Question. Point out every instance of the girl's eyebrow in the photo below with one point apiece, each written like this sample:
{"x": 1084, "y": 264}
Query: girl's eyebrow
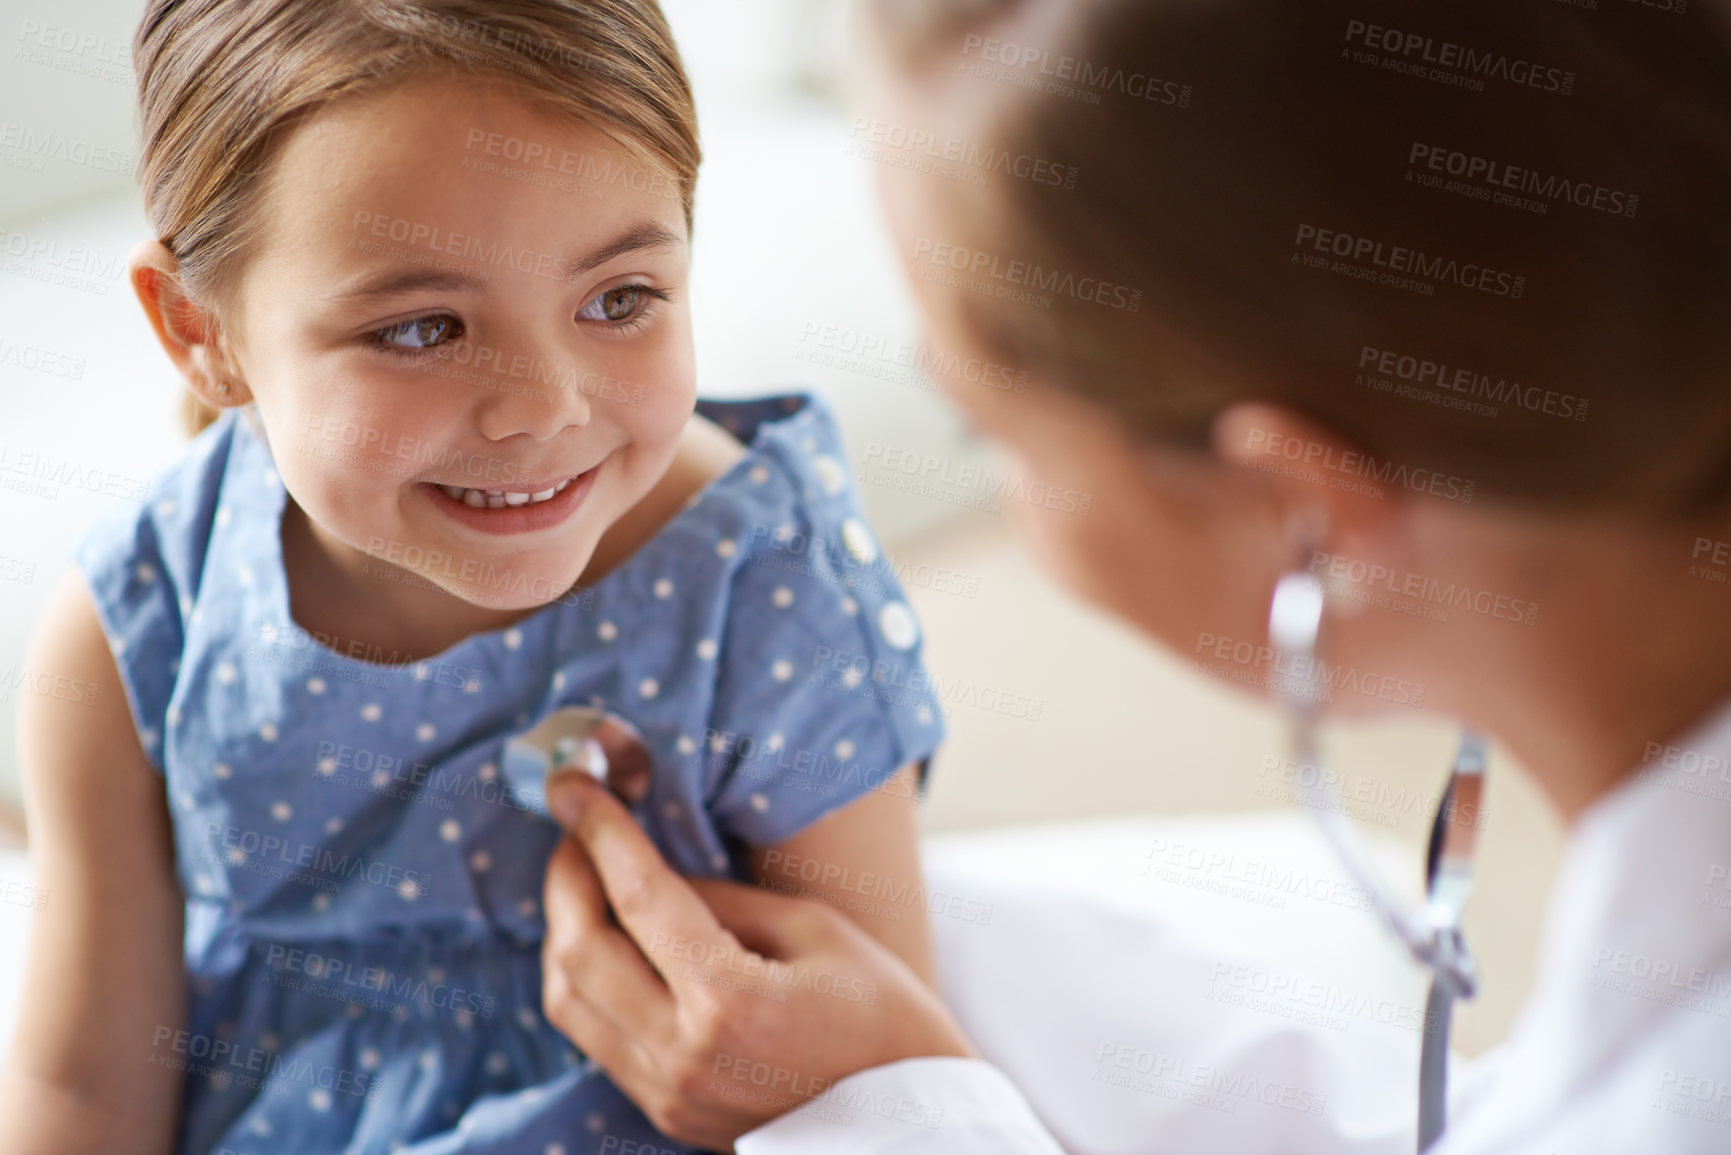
{"x": 642, "y": 236}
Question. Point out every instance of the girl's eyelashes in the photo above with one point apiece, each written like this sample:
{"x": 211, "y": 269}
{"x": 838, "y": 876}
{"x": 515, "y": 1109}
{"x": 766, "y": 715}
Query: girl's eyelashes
{"x": 623, "y": 307}
{"x": 417, "y": 335}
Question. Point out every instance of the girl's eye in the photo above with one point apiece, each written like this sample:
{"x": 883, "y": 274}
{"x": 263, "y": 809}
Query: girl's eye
{"x": 420, "y": 333}
{"x": 623, "y": 307}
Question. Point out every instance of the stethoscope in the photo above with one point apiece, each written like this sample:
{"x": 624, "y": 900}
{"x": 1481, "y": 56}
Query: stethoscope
{"x": 1431, "y": 932}
{"x": 589, "y": 739}
{"x": 601, "y": 743}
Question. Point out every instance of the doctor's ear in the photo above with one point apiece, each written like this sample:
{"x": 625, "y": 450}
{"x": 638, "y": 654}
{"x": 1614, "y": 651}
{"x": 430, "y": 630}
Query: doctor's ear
{"x": 188, "y": 331}
{"x": 1319, "y": 479}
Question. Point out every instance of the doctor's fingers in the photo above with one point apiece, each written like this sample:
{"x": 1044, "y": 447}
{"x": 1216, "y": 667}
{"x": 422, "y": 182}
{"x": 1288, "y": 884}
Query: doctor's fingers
{"x": 654, "y": 905}
{"x": 592, "y": 958}
{"x": 673, "y": 1097}
{"x": 782, "y": 926}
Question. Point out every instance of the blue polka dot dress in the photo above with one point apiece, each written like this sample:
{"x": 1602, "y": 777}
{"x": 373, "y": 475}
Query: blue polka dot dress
{"x": 363, "y": 865}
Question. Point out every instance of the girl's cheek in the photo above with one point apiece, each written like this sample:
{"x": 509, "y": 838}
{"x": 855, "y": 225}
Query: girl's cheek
{"x": 656, "y": 412}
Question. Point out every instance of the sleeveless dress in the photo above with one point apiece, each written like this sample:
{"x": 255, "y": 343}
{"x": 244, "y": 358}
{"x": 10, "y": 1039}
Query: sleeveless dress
{"x": 363, "y": 867}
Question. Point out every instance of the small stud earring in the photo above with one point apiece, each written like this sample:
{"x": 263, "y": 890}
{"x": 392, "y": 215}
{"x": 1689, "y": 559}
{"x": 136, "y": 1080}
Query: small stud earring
{"x": 222, "y": 388}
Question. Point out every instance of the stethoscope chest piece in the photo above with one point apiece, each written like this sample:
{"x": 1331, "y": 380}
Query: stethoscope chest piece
{"x": 581, "y": 739}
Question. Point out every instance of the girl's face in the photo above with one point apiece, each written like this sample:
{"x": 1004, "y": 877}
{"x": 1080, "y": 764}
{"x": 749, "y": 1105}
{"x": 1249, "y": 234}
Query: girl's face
{"x": 466, "y": 331}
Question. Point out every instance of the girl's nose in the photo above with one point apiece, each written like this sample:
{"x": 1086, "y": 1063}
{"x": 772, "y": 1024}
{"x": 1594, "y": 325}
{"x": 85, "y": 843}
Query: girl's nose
{"x": 535, "y": 390}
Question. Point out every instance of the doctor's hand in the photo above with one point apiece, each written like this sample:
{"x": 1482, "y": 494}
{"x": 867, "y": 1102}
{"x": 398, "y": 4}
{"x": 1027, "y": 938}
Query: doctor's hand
{"x": 714, "y": 1006}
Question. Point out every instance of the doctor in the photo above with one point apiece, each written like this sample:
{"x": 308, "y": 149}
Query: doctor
{"x": 1441, "y": 291}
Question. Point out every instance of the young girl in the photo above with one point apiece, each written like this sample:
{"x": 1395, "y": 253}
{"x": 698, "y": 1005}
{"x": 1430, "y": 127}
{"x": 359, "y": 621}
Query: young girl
{"x": 427, "y": 263}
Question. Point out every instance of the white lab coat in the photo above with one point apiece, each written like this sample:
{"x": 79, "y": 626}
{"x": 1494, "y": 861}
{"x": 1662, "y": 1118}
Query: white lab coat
{"x": 1106, "y": 1034}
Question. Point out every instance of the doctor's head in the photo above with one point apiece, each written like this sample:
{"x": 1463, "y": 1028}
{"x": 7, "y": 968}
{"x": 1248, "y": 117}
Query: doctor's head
{"x": 442, "y": 246}
{"x": 1432, "y": 302}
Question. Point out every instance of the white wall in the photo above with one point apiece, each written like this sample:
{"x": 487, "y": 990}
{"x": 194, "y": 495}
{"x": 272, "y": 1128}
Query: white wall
{"x": 67, "y": 133}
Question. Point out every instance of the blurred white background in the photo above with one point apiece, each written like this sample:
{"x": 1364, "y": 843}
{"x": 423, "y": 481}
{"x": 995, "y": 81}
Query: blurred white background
{"x": 788, "y": 241}
{"x": 776, "y": 188}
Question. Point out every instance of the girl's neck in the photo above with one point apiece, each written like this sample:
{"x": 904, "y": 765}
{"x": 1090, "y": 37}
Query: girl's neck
{"x": 368, "y": 609}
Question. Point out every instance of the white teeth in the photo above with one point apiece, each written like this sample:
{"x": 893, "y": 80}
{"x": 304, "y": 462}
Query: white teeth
{"x": 500, "y": 498}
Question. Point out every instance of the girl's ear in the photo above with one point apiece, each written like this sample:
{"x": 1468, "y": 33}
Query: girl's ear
{"x": 188, "y": 332}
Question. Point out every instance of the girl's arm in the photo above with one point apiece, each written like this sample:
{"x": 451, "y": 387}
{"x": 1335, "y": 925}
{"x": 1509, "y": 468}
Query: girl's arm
{"x": 864, "y": 861}
{"x": 91, "y": 1067}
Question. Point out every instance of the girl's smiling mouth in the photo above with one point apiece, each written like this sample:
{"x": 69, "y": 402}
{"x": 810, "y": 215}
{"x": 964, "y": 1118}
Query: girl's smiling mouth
{"x": 509, "y": 511}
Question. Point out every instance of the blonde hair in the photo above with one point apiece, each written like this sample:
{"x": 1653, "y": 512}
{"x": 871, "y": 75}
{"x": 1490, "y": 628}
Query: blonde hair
{"x": 221, "y": 83}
